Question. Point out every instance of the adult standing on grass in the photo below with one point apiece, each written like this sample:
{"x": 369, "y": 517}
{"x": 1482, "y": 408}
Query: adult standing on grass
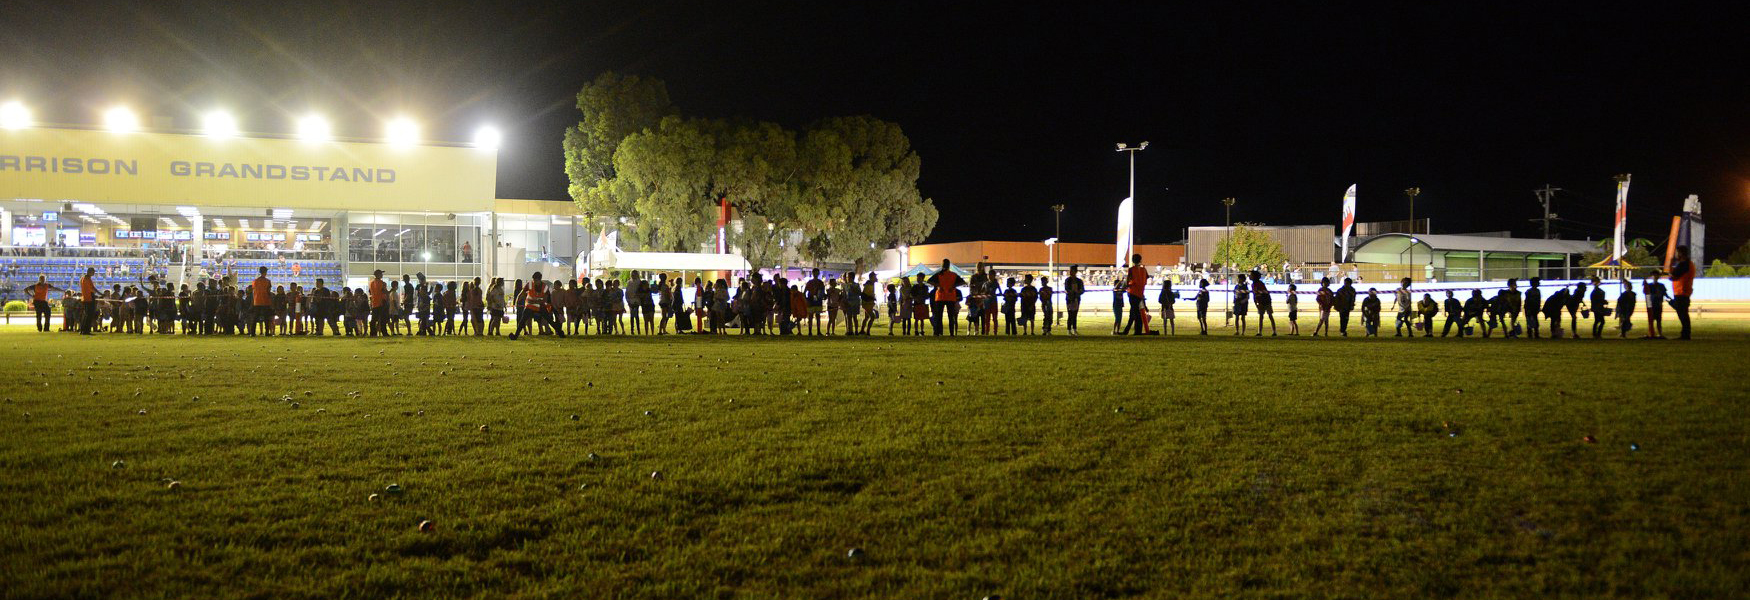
{"x": 1600, "y": 307}
{"x": 408, "y": 301}
{"x": 1135, "y": 281}
{"x": 379, "y": 304}
{"x": 476, "y": 305}
{"x": 1073, "y": 288}
{"x": 261, "y": 291}
{"x": 495, "y": 305}
{"x": 1574, "y": 301}
{"x": 325, "y": 305}
{"x": 1405, "y": 305}
{"x": 1655, "y": 293}
{"x": 1682, "y": 285}
{"x": 947, "y": 296}
{"x": 39, "y": 300}
{"x": 1325, "y": 299}
{"x": 1533, "y": 307}
{"x": 1345, "y": 303}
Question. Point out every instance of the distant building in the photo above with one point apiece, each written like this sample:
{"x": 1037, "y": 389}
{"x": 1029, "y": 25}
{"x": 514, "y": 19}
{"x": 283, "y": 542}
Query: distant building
{"x": 1472, "y": 257}
{"x": 1026, "y": 255}
{"x": 1304, "y": 243}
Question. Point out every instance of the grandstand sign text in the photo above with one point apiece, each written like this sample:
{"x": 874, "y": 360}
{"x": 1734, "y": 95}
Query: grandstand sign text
{"x": 184, "y": 168}
{"x": 193, "y": 170}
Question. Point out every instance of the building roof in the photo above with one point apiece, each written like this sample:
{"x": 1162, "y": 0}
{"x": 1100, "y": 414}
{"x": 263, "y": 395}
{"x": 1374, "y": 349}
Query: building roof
{"x": 1479, "y": 243}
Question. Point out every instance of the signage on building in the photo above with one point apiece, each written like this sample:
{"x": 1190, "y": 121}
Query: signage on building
{"x": 177, "y": 169}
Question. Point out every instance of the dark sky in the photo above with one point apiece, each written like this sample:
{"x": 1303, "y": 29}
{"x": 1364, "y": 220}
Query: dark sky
{"x": 1011, "y": 110}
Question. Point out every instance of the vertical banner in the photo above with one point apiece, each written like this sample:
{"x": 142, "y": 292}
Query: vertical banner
{"x": 1126, "y": 231}
{"x": 1348, "y": 220}
{"x": 1617, "y": 246}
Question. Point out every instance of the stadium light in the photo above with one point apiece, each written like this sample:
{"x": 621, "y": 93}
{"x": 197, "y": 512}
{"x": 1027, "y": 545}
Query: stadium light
{"x": 402, "y": 131}
{"x": 488, "y": 138}
{"x": 314, "y": 128}
{"x": 219, "y": 124}
{"x": 14, "y": 115}
{"x": 120, "y": 119}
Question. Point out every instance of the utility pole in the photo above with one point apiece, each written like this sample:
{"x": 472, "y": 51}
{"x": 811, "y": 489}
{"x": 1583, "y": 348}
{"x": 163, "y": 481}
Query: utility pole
{"x": 1412, "y": 193}
{"x": 1546, "y": 196}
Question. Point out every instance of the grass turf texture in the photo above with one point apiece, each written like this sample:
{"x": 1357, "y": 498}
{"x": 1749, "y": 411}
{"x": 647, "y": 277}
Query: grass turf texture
{"x": 1029, "y": 468}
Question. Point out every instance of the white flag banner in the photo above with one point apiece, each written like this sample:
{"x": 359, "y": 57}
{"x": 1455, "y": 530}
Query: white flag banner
{"x": 1126, "y": 231}
{"x": 1348, "y": 220}
{"x": 1621, "y": 219}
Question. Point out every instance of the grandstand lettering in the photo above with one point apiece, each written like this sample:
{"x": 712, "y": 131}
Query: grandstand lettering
{"x": 183, "y": 168}
{"x": 71, "y": 165}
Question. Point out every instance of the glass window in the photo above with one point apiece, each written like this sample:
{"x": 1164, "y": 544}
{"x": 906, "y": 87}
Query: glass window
{"x": 359, "y": 244}
{"x": 413, "y": 245}
{"x": 467, "y": 243}
{"x": 443, "y": 243}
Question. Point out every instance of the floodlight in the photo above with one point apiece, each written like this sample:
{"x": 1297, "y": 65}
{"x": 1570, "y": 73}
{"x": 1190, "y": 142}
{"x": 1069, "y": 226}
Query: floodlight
{"x": 14, "y": 115}
{"x": 402, "y": 132}
{"x": 314, "y": 128}
{"x": 1144, "y": 146}
{"x": 425, "y": 256}
{"x": 120, "y": 119}
{"x": 488, "y": 138}
{"x": 219, "y": 124}
{"x": 1121, "y": 145}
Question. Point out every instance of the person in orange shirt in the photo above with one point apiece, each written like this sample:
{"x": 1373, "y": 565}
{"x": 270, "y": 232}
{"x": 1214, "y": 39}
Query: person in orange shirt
{"x": 535, "y": 307}
{"x": 1682, "y": 285}
{"x": 87, "y": 301}
{"x": 39, "y": 300}
{"x": 947, "y": 297}
{"x": 1135, "y": 280}
{"x": 261, "y": 305}
{"x": 379, "y": 305}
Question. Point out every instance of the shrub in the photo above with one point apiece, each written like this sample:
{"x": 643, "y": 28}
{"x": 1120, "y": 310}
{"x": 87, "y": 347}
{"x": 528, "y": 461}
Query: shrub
{"x": 17, "y": 306}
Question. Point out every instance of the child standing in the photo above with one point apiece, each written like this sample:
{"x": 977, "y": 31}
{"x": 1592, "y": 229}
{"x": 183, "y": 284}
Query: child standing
{"x": 1009, "y": 297}
{"x": 1045, "y": 293}
{"x": 1029, "y": 304}
{"x": 1370, "y": 313}
{"x": 1293, "y": 302}
{"x": 1203, "y": 307}
{"x": 1168, "y": 298}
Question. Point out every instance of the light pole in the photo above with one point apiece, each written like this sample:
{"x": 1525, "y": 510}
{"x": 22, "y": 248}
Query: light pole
{"x": 1122, "y": 147}
{"x": 1056, "y": 232}
{"x": 1412, "y": 193}
{"x": 1226, "y": 240}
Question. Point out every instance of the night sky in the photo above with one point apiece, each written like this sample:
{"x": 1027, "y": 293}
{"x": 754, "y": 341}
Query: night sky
{"x": 1011, "y": 111}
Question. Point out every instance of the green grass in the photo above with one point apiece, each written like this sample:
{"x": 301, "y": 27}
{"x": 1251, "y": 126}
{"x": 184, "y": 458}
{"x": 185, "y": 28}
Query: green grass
{"x": 1027, "y": 468}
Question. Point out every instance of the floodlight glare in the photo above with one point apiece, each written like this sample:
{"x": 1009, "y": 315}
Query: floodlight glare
{"x": 13, "y": 115}
{"x": 313, "y": 128}
{"x": 121, "y": 119}
{"x": 219, "y": 124}
{"x": 488, "y": 138}
{"x": 402, "y": 132}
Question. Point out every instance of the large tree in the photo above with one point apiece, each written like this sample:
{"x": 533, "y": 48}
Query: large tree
{"x": 847, "y": 185}
{"x": 613, "y": 107}
{"x": 1247, "y": 248}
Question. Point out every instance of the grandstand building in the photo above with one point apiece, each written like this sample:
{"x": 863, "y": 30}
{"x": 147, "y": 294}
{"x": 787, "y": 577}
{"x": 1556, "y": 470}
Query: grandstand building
{"x": 184, "y": 204}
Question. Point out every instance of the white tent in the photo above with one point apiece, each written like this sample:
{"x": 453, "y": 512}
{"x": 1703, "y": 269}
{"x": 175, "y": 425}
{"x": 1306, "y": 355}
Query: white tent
{"x": 609, "y": 259}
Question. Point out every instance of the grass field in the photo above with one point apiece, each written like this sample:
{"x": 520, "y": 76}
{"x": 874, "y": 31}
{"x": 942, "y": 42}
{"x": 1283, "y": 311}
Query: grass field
{"x": 1026, "y": 468}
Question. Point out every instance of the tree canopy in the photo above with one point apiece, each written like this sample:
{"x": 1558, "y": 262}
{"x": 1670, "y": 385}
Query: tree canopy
{"x": 1247, "y": 247}
{"x": 843, "y": 188}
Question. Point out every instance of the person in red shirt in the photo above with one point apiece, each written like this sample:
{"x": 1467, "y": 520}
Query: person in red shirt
{"x": 1134, "y": 281}
{"x": 87, "y": 301}
{"x": 39, "y": 300}
{"x": 379, "y": 305}
{"x": 1682, "y": 285}
{"x": 947, "y": 298}
{"x": 261, "y": 294}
